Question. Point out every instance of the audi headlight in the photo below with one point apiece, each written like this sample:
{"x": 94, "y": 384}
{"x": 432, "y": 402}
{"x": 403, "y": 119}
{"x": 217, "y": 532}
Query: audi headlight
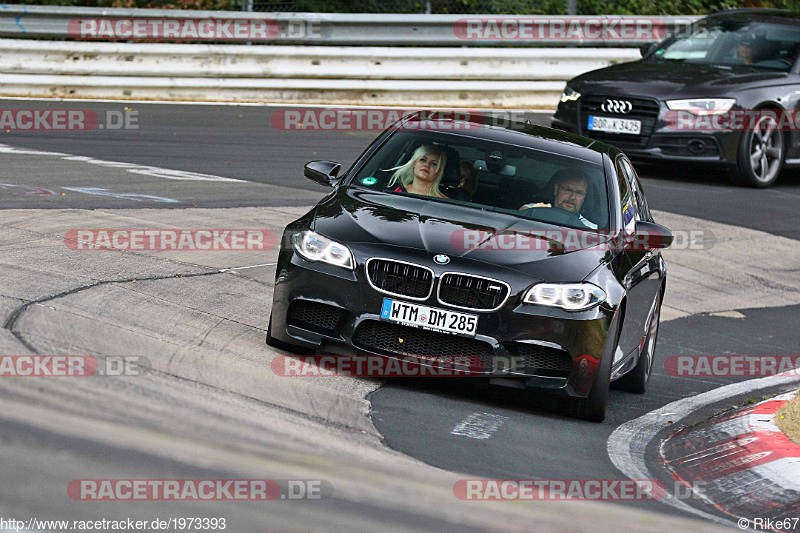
{"x": 315, "y": 247}
{"x": 703, "y": 106}
{"x": 569, "y": 94}
{"x": 568, "y": 296}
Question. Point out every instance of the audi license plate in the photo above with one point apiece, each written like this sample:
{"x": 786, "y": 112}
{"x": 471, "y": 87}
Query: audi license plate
{"x": 615, "y": 125}
{"x": 431, "y": 318}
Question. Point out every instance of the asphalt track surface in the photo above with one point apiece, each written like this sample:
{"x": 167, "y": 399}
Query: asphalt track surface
{"x": 413, "y": 417}
{"x": 241, "y": 142}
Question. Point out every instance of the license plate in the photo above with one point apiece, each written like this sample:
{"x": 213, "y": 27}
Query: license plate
{"x": 431, "y": 318}
{"x": 615, "y": 125}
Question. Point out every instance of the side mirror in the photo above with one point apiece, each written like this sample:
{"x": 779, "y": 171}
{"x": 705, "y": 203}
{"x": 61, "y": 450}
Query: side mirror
{"x": 650, "y": 235}
{"x": 322, "y": 172}
{"x": 646, "y": 48}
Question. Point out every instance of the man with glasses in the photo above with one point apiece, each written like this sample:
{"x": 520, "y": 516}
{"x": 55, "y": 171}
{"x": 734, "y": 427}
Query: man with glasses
{"x": 569, "y": 191}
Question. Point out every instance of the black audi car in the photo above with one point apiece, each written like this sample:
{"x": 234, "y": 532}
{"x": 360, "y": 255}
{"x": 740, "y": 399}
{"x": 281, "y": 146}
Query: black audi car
{"x": 725, "y": 92}
{"x": 539, "y": 275}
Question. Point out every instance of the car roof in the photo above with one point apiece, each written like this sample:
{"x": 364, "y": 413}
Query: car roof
{"x": 497, "y": 129}
{"x": 779, "y": 16}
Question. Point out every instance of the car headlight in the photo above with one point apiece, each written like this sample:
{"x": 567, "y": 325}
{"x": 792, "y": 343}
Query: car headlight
{"x": 568, "y": 296}
{"x": 703, "y": 106}
{"x": 569, "y": 94}
{"x": 315, "y": 247}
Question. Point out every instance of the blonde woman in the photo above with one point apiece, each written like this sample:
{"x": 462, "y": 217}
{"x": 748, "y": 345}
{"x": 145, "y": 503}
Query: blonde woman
{"x": 423, "y": 172}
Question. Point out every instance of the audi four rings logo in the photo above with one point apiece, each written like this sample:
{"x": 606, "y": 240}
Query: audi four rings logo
{"x": 617, "y": 106}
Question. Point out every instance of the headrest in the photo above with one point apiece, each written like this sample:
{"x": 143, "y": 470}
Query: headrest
{"x": 452, "y": 174}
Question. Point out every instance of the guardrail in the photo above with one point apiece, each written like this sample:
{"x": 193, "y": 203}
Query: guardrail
{"x": 423, "y": 60}
{"x": 343, "y": 29}
{"x": 459, "y": 77}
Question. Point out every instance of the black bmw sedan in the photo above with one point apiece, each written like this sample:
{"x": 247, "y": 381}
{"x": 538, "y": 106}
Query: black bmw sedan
{"x": 726, "y": 92}
{"x": 543, "y": 275}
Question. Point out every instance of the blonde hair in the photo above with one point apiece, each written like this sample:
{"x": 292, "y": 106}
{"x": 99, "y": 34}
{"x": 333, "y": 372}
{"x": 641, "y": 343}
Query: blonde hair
{"x": 405, "y": 173}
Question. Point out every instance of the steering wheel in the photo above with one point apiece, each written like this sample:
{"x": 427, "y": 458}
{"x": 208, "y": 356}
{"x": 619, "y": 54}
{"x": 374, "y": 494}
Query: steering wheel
{"x": 556, "y": 215}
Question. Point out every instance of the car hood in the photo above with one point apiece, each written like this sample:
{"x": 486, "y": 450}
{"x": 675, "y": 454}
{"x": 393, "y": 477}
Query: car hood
{"x": 673, "y": 79}
{"x": 355, "y": 216}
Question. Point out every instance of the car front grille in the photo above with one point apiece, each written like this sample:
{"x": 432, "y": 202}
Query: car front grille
{"x": 472, "y": 292}
{"x": 644, "y": 109}
{"x": 315, "y": 316}
{"x": 401, "y": 279}
{"x": 542, "y": 360}
{"x": 395, "y": 339}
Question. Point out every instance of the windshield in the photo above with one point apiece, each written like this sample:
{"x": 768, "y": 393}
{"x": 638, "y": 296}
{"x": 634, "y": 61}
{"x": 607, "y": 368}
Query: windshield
{"x": 753, "y": 44}
{"x": 524, "y": 182}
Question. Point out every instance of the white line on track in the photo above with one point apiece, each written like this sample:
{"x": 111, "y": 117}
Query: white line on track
{"x": 99, "y": 191}
{"x": 246, "y": 267}
{"x": 627, "y": 444}
{"x": 479, "y": 425}
{"x": 147, "y": 170}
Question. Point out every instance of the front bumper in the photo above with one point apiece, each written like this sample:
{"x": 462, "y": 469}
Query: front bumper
{"x": 326, "y": 309}
{"x": 660, "y": 143}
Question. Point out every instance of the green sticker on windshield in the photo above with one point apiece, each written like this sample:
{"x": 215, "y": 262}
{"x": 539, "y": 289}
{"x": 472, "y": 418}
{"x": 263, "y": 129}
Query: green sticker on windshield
{"x": 369, "y": 181}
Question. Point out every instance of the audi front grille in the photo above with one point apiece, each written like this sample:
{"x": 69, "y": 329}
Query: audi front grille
{"x": 642, "y": 109}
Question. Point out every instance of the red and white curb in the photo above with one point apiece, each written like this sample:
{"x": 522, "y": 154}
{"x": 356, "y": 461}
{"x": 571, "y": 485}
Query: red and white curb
{"x": 740, "y": 462}
{"x": 628, "y": 443}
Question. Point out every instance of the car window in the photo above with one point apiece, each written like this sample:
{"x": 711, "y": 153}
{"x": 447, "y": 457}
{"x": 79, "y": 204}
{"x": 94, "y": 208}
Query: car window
{"x": 735, "y": 43}
{"x": 623, "y": 182}
{"x": 696, "y": 46}
{"x": 642, "y": 209}
{"x": 629, "y": 205}
{"x": 490, "y": 175}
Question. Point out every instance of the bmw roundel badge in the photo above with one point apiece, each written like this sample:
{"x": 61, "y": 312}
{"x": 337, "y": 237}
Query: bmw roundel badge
{"x": 441, "y": 259}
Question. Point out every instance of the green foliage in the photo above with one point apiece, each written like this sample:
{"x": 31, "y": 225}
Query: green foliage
{"x": 511, "y": 7}
{"x": 82, "y": 3}
{"x": 676, "y": 7}
{"x": 179, "y": 4}
{"x": 519, "y": 7}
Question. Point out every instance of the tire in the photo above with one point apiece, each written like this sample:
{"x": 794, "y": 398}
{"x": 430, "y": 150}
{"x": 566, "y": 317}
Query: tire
{"x": 636, "y": 380}
{"x": 593, "y": 407}
{"x": 761, "y": 153}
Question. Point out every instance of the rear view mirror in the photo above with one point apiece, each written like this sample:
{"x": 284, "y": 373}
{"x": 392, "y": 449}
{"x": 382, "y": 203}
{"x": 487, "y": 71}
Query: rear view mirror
{"x": 322, "y": 172}
{"x": 645, "y": 49}
{"x": 650, "y": 235}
